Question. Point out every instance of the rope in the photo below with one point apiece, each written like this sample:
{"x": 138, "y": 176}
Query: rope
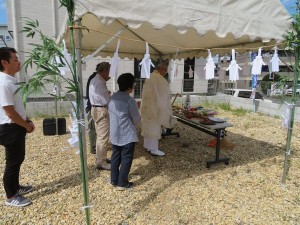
{"x": 171, "y": 46}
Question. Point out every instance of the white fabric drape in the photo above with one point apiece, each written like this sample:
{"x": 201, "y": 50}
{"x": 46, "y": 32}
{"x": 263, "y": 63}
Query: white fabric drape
{"x": 209, "y": 67}
{"x": 114, "y": 62}
{"x": 257, "y": 63}
{"x": 275, "y": 61}
{"x": 233, "y": 68}
{"x": 146, "y": 64}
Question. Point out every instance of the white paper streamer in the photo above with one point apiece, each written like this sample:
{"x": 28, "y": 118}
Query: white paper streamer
{"x": 257, "y": 63}
{"x": 146, "y": 64}
{"x": 275, "y": 61}
{"x": 114, "y": 62}
{"x": 191, "y": 72}
{"x": 233, "y": 68}
{"x": 209, "y": 67}
{"x": 174, "y": 71}
{"x": 66, "y": 60}
{"x": 54, "y": 90}
{"x": 287, "y": 117}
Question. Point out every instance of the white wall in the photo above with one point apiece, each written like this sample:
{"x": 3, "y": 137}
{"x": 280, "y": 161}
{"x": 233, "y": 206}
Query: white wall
{"x": 41, "y": 10}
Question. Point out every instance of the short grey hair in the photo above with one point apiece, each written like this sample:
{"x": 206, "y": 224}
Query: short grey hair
{"x": 162, "y": 65}
{"x": 103, "y": 66}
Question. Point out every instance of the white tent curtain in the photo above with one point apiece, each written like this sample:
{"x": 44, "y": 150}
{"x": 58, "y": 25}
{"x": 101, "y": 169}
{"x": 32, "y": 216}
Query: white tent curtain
{"x": 191, "y": 27}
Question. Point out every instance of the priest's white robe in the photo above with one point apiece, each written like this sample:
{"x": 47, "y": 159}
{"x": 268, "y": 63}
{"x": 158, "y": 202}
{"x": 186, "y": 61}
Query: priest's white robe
{"x": 156, "y": 109}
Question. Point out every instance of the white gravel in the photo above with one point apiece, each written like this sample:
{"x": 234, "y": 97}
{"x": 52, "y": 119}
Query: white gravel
{"x": 175, "y": 189}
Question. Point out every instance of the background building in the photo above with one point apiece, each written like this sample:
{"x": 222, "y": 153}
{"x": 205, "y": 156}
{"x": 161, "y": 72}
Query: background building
{"x": 5, "y": 36}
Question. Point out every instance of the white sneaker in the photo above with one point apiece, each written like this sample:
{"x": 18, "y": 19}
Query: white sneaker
{"x": 18, "y": 201}
{"x": 157, "y": 152}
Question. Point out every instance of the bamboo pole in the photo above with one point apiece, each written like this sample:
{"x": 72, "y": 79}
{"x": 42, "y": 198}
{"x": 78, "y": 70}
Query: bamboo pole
{"x": 81, "y": 129}
{"x": 291, "y": 120}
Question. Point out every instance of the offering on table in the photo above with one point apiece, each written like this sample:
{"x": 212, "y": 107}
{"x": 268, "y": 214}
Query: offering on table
{"x": 206, "y": 121}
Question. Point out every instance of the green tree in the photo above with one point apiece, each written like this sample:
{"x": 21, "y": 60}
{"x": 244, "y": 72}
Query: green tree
{"x": 266, "y": 82}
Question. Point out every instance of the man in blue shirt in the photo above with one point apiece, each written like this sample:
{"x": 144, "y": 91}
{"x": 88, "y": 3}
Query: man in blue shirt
{"x": 124, "y": 114}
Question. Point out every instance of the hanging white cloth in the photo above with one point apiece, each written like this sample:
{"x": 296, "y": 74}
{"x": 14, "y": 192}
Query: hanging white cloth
{"x": 199, "y": 68}
{"x": 286, "y": 118}
{"x": 114, "y": 62}
{"x": 191, "y": 72}
{"x": 257, "y": 63}
{"x": 275, "y": 61}
{"x": 66, "y": 60}
{"x": 233, "y": 68}
{"x": 174, "y": 71}
{"x": 146, "y": 64}
{"x": 209, "y": 67}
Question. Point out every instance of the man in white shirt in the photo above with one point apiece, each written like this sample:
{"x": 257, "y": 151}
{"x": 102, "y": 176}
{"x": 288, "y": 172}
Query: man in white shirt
{"x": 14, "y": 124}
{"x": 99, "y": 97}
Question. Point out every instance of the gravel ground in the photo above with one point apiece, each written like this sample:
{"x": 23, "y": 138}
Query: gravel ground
{"x": 175, "y": 189}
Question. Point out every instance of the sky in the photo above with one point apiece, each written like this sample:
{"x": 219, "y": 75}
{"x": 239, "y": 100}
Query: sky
{"x": 289, "y": 5}
{"x": 3, "y": 20}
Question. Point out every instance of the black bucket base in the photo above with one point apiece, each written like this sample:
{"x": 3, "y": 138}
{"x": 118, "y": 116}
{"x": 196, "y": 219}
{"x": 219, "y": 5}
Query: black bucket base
{"x": 49, "y": 126}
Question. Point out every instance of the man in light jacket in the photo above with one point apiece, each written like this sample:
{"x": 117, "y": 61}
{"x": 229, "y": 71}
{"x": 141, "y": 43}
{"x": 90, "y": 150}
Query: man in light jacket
{"x": 156, "y": 109}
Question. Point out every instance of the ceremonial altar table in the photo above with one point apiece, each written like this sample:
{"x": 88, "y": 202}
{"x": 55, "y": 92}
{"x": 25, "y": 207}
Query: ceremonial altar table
{"x": 217, "y": 130}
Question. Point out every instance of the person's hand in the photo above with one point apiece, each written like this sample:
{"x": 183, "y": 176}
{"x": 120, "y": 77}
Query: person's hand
{"x": 30, "y": 128}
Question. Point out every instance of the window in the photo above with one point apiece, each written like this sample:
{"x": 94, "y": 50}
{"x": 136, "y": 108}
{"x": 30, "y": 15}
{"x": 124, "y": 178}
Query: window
{"x": 258, "y": 96}
{"x": 244, "y": 94}
{"x": 229, "y": 92}
{"x": 7, "y": 38}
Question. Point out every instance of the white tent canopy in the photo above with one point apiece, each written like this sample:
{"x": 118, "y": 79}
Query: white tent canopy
{"x": 191, "y": 27}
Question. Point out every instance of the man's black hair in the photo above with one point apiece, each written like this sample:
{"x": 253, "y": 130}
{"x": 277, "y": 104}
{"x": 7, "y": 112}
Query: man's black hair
{"x": 125, "y": 81}
{"x": 5, "y": 55}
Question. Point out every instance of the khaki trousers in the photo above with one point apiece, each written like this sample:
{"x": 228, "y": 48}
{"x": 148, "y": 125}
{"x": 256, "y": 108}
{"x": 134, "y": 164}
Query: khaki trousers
{"x": 101, "y": 119}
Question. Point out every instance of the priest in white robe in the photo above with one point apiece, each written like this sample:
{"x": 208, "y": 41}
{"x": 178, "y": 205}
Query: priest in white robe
{"x": 156, "y": 109}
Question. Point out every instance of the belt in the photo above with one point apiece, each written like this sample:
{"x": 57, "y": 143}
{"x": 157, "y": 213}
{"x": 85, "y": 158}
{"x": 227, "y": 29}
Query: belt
{"x": 101, "y": 106}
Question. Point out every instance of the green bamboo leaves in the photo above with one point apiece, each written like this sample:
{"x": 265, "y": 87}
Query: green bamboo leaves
{"x": 47, "y": 56}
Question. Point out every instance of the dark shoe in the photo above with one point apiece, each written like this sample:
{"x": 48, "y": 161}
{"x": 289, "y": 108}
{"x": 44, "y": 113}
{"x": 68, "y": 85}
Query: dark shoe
{"x": 129, "y": 185}
{"x": 93, "y": 150}
{"x": 104, "y": 167}
{"x": 113, "y": 184}
{"x": 24, "y": 190}
{"x": 108, "y": 161}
